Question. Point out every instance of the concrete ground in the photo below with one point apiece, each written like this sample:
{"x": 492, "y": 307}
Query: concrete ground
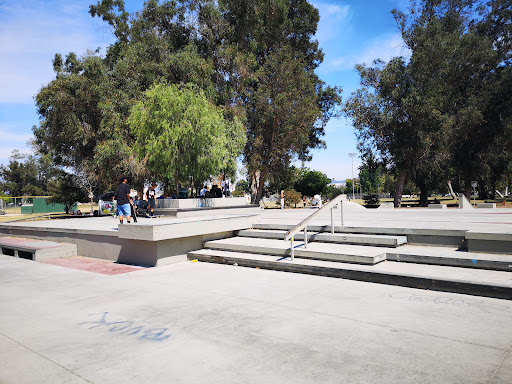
{"x": 481, "y": 219}
{"x": 206, "y": 323}
{"x": 496, "y": 220}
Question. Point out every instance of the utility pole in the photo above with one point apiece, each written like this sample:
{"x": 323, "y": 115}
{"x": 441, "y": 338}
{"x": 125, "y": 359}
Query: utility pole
{"x": 352, "y": 155}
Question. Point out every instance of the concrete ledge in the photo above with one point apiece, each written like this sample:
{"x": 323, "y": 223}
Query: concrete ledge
{"x": 437, "y": 206}
{"x": 197, "y": 212}
{"x": 359, "y": 239}
{"x": 404, "y": 280}
{"x": 489, "y": 242}
{"x": 36, "y": 250}
{"x": 486, "y": 205}
{"x": 445, "y": 237}
{"x": 183, "y": 229}
{"x": 278, "y": 248}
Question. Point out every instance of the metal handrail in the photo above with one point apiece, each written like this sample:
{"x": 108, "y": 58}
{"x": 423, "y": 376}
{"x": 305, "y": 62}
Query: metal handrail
{"x": 303, "y": 225}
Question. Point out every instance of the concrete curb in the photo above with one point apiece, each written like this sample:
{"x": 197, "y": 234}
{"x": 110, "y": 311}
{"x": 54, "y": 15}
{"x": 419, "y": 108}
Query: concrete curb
{"x": 411, "y": 281}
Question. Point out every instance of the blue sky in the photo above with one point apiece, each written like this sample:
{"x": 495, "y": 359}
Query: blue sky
{"x": 32, "y": 31}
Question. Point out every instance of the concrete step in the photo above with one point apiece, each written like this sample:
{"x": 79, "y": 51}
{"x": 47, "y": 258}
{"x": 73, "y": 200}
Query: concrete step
{"x": 319, "y": 251}
{"x": 439, "y": 278}
{"x": 327, "y": 237}
{"x": 37, "y": 250}
{"x": 367, "y": 254}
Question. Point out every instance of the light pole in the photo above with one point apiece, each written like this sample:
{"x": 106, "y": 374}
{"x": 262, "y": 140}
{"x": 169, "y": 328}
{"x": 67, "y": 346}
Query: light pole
{"x": 352, "y": 155}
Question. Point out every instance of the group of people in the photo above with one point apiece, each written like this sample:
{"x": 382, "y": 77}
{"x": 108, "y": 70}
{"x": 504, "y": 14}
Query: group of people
{"x": 127, "y": 207}
{"x": 215, "y": 191}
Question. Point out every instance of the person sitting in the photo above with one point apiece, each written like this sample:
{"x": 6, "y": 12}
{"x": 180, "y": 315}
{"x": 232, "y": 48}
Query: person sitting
{"x": 203, "y": 191}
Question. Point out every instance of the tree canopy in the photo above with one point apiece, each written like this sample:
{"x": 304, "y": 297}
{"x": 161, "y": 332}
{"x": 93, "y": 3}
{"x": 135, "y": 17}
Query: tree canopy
{"x": 441, "y": 113}
{"x": 178, "y": 132}
{"x": 255, "y": 59}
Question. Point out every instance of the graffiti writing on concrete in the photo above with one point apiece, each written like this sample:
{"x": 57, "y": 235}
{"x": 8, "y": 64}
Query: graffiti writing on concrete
{"x": 456, "y": 302}
{"x": 128, "y": 328}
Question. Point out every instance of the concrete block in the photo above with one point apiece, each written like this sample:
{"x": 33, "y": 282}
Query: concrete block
{"x": 464, "y": 203}
{"x": 486, "y": 205}
{"x": 360, "y": 239}
{"x": 386, "y": 206}
{"x": 489, "y": 242}
{"x": 437, "y": 206}
{"x": 35, "y": 249}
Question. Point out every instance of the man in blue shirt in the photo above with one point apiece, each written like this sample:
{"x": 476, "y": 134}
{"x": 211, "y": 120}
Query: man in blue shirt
{"x": 123, "y": 200}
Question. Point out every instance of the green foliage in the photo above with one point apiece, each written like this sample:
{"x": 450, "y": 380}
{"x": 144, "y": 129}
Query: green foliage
{"x": 435, "y": 116}
{"x": 371, "y": 199}
{"x": 179, "y": 133}
{"x": 370, "y": 173}
{"x": 238, "y": 193}
{"x": 243, "y": 185}
{"x": 312, "y": 182}
{"x": 331, "y": 191}
{"x": 348, "y": 187}
{"x": 26, "y": 175}
{"x": 291, "y": 196}
{"x": 65, "y": 190}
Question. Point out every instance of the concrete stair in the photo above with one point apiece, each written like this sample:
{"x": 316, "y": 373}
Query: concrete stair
{"x": 486, "y": 283}
{"x": 356, "y": 257}
{"x": 327, "y": 237}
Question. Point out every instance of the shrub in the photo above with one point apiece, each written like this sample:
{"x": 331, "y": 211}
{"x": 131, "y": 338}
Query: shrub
{"x": 371, "y": 199}
{"x": 291, "y": 196}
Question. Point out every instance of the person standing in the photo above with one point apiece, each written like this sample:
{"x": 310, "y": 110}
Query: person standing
{"x": 151, "y": 195}
{"x": 123, "y": 200}
{"x": 282, "y": 199}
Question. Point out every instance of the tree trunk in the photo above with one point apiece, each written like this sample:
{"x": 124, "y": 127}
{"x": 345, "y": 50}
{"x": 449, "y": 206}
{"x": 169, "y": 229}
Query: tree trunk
{"x": 467, "y": 188}
{"x": 254, "y": 188}
{"x": 176, "y": 186}
{"x": 402, "y": 177}
{"x": 261, "y": 183}
{"x": 454, "y": 196}
{"x": 423, "y": 195}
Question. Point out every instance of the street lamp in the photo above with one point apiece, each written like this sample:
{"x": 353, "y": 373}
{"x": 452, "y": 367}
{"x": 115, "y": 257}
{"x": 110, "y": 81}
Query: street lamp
{"x": 352, "y": 155}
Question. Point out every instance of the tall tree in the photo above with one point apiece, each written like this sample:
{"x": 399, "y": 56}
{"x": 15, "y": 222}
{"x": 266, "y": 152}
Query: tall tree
{"x": 179, "y": 133}
{"x": 272, "y": 78}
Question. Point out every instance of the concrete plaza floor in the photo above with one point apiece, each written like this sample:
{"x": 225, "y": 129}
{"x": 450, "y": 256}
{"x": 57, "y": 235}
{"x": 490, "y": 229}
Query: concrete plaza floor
{"x": 205, "y": 323}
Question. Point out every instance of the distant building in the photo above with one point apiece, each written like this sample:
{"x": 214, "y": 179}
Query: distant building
{"x": 339, "y": 183}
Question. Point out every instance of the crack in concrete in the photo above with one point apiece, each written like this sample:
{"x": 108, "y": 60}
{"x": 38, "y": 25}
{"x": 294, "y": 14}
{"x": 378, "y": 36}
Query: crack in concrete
{"x": 501, "y": 363}
{"x": 46, "y": 358}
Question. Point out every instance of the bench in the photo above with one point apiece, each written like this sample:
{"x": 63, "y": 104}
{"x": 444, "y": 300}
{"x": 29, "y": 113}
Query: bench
{"x": 486, "y": 205}
{"x": 33, "y": 249}
{"x": 437, "y": 206}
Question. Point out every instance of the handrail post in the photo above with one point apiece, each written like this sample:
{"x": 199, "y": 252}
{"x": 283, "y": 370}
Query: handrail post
{"x": 332, "y": 222}
{"x": 292, "y": 253}
{"x": 341, "y": 209}
{"x": 306, "y": 236}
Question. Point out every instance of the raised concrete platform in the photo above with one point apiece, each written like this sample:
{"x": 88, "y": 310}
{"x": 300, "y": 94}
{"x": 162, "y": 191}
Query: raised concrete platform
{"x": 349, "y": 238}
{"x": 202, "y": 211}
{"x": 201, "y": 203}
{"x": 489, "y": 242}
{"x": 437, "y": 206}
{"x": 35, "y": 249}
{"x": 447, "y": 237}
{"x": 318, "y": 251}
{"x": 486, "y": 205}
{"x": 149, "y": 242}
{"x": 439, "y": 278}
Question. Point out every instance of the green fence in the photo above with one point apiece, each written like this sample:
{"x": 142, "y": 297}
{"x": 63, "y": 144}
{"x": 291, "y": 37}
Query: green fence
{"x": 40, "y": 206}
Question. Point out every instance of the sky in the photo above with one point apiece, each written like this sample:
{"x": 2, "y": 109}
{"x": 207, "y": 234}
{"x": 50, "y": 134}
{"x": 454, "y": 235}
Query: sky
{"x": 33, "y": 31}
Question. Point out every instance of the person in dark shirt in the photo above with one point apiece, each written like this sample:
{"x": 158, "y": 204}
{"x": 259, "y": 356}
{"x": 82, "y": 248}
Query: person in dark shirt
{"x": 150, "y": 195}
{"x": 123, "y": 200}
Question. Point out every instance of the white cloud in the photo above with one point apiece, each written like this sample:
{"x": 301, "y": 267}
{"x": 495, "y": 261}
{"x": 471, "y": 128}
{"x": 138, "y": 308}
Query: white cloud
{"x": 333, "y": 17}
{"x": 31, "y": 32}
{"x": 383, "y": 48}
{"x": 7, "y": 135}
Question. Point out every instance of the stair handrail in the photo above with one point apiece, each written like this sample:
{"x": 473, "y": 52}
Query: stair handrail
{"x": 303, "y": 224}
